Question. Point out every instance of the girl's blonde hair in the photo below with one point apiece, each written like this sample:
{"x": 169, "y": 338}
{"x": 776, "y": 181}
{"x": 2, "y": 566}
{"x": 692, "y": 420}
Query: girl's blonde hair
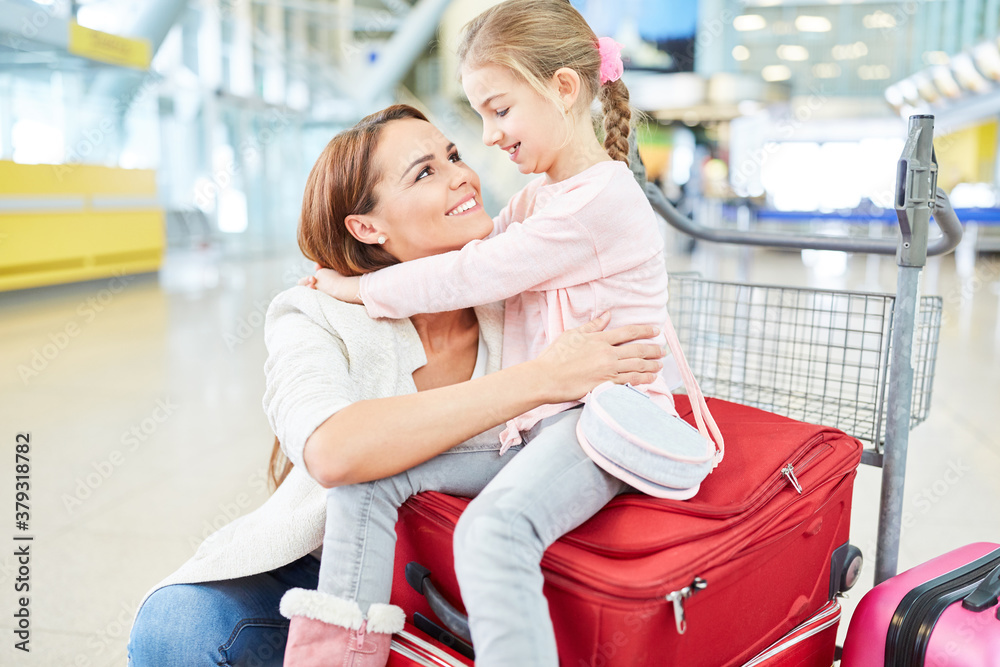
{"x": 533, "y": 39}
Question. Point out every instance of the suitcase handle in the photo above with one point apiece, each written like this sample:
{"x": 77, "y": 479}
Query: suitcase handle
{"x": 419, "y": 579}
{"x": 435, "y": 631}
{"x": 986, "y": 593}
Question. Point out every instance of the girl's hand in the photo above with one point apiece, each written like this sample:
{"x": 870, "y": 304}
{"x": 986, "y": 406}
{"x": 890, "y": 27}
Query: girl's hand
{"x": 328, "y": 281}
{"x": 582, "y": 358}
{"x": 342, "y": 288}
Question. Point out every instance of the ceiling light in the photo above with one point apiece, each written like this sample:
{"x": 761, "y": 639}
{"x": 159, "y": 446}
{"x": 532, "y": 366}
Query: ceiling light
{"x": 988, "y": 59}
{"x": 793, "y": 52}
{"x": 782, "y": 28}
{"x": 894, "y": 96}
{"x": 967, "y": 74}
{"x": 879, "y": 19}
{"x": 741, "y": 53}
{"x": 935, "y": 57}
{"x": 776, "y": 73}
{"x": 850, "y": 51}
{"x": 910, "y": 93}
{"x": 945, "y": 81}
{"x": 813, "y": 24}
{"x": 747, "y": 22}
{"x": 925, "y": 87}
{"x": 826, "y": 70}
{"x": 873, "y": 72}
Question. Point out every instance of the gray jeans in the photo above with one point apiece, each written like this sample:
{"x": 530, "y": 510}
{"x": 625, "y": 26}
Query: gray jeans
{"x": 524, "y": 503}
{"x": 546, "y": 491}
{"x": 359, "y": 543}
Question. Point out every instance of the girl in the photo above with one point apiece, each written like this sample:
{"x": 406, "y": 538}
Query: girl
{"x": 577, "y": 241}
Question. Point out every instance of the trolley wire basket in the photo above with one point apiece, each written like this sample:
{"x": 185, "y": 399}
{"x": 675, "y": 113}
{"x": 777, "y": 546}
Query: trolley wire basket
{"x": 820, "y": 356}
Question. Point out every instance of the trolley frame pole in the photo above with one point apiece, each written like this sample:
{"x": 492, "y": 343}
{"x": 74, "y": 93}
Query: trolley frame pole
{"x": 916, "y": 186}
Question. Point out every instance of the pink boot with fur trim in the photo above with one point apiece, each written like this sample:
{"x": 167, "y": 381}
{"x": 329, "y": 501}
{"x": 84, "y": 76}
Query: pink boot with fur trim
{"x": 327, "y": 631}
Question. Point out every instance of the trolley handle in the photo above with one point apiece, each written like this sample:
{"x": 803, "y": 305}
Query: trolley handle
{"x": 916, "y": 179}
{"x": 944, "y": 214}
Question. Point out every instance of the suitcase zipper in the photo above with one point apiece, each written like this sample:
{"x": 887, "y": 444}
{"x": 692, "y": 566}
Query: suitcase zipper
{"x": 800, "y": 461}
{"x": 826, "y": 617}
{"x": 789, "y": 472}
{"x": 677, "y": 599}
{"x": 914, "y": 619}
{"x": 784, "y": 477}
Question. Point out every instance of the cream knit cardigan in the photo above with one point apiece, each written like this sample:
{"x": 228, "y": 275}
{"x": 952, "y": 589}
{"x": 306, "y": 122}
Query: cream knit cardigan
{"x": 322, "y": 355}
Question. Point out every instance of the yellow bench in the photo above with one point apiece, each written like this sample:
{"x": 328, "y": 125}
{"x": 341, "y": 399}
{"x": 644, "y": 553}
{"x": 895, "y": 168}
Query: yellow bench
{"x": 71, "y": 222}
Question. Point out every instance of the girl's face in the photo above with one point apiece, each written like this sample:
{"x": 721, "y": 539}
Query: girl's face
{"x": 429, "y": 201}
{"x": 516, "y": 118}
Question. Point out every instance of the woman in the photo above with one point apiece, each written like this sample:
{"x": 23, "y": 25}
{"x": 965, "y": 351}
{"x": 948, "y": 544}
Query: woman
{"x": 402, "y": 404}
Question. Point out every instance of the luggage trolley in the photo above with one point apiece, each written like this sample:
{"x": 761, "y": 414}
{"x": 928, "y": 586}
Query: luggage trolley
{"x": 862, "y": 362}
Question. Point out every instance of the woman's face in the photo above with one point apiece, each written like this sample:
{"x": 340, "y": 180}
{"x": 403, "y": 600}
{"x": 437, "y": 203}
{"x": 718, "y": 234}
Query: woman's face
{"x": 429, "y": 201}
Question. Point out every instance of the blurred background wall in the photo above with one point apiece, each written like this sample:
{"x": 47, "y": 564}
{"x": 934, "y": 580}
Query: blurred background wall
{"x": 226, "y": 104}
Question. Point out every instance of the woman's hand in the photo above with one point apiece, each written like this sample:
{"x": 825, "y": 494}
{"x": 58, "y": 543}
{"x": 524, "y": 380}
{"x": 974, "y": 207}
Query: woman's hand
{"x": 328, "y": 281}
{"x": 582, "y": 358}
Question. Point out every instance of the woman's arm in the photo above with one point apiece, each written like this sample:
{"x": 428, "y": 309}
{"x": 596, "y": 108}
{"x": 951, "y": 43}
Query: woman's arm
{"x": 373, "y": 439}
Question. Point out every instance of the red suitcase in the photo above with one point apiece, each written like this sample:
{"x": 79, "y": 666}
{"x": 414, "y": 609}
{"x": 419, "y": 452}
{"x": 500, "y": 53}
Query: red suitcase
{"x": 942, "y": 612}
{"x": 708, "y": 581}
{"x": 413, "y": 648}
{"x": 811, "y": 644}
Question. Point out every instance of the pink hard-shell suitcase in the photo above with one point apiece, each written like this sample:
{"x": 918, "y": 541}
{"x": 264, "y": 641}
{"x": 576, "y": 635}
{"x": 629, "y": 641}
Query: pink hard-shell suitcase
{"x": 943, "y": 612}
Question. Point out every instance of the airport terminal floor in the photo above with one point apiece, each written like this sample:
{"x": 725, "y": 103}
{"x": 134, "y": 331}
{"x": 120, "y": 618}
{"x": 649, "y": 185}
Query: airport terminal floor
{"x": 162, "y": 163}
{"x": 166, "y": 369}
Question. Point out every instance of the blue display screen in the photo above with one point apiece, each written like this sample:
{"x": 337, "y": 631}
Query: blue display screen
{"x": 668, "y": 25}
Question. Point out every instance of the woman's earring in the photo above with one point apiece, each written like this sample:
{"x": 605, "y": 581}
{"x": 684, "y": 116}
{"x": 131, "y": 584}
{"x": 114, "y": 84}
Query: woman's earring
{"x": 381, "y": 239}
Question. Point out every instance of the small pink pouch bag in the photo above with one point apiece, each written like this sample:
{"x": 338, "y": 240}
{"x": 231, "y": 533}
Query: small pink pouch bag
{"x": 632, "y": 438}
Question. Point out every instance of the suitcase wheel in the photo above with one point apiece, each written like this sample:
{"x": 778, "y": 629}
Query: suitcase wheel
{"x": 845, "y": 568}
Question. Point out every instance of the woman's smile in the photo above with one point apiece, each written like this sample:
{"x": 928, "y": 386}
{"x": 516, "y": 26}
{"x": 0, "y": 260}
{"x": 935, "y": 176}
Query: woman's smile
{"x": 467, "y": 204}
{"x": 416, "y": 195}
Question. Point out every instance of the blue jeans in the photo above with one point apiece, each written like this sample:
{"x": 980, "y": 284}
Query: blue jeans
{"x": 237, "y": 622}
{"x": 234, "y": 622}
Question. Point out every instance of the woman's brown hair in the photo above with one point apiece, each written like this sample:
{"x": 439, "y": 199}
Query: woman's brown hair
{"x": 342, "y": 183}
{"x": 533, "y": 39}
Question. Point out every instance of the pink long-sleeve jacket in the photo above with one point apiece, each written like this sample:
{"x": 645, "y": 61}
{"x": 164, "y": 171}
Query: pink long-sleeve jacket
{"x": 560, "y": 255}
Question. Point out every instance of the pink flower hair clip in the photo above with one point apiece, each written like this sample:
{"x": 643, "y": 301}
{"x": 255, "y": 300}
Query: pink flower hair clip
{"x": 611, "y": 59}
